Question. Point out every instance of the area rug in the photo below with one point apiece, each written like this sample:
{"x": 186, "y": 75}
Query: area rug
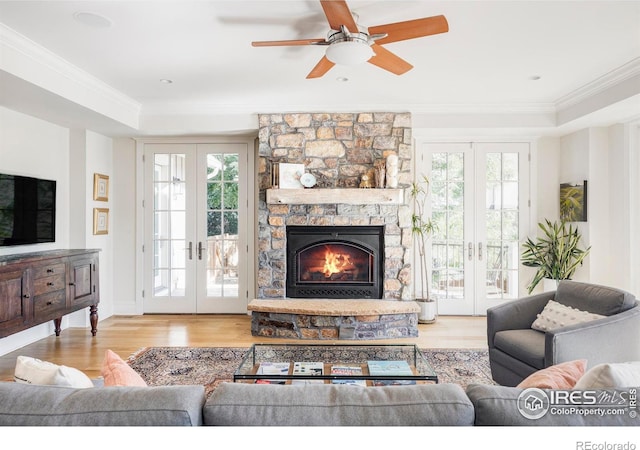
{"x": 210, "y": 366}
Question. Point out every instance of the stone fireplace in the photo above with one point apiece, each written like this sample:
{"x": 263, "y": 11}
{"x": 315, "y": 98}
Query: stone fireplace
{"x": 338, "y": 149}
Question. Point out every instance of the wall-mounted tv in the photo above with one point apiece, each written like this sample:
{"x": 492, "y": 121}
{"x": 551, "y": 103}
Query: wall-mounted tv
{"x": 27, "y": 210}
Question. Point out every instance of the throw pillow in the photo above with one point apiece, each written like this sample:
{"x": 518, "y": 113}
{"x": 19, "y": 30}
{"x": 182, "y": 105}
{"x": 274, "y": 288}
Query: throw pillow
{"x": 560, "y": 376}
{"x": 604, "y": 376}
{"x": 117, "y": 372}
{"x": 556, "y": 315}
{"x": 34, "y": 371}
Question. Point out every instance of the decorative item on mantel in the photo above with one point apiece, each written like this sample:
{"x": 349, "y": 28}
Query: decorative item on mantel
{"x": 392, "y": 171}
{"x": 365, "y": 183}
{"x": 421, "y": 228}
{"x": 380, "y": 172}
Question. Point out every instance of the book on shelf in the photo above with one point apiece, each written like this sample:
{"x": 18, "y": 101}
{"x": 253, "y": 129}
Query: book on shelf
{"x": 272, "y": 368}
{"x": 347, "y": 370}
{"x": 309, "y": 368}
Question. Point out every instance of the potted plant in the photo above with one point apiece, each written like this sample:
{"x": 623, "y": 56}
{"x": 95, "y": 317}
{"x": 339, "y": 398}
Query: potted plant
{"x": 421, "y": 228}
{"x": 556, "y": 254}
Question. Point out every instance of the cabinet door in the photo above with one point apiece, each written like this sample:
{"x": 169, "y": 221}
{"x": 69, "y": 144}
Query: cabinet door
{"x": 15, "y": 309}
{"x": 82, "y": 281}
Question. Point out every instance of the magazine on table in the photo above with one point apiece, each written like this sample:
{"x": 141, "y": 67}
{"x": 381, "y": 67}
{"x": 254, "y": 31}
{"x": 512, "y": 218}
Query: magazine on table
{"x": 309, "y": 368}
{"x": 273, "y": 368}
{"x": 347, "y": 370}
{"x": 389, "y": 368}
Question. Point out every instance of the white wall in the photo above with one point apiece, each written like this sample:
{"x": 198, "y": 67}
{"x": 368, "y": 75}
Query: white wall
{"x": 124, "y": 226}
{"x": 32, "y": 147}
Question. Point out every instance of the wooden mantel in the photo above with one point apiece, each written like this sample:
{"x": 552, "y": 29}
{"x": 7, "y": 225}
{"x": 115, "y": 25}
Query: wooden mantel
{"x": 342, "y": 196}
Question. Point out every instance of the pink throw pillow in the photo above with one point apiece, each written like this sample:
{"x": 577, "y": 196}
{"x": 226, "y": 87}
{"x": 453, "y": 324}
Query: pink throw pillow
{"x": 560, "y": 376}
{"x": 117, "y": 372}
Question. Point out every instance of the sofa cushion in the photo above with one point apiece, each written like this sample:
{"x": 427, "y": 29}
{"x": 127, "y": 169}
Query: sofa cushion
{"x": 31, "y": 405}
{"x": 618, "y": 375}
{"x": 30, "y": 370}
{"x": 117, "y": 372}
{"x": 526, "y": 345}
{"x": 498, "y": 406}
{"x": 559, "y": 376}
{"x": 556, "y": 315}
{"x": 594, "y": 298}
{"x": 325, "y": 405}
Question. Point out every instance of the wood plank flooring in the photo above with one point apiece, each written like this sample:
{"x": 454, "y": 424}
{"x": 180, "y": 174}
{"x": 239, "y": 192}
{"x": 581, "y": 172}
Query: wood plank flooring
{"x": 75, "y": 347}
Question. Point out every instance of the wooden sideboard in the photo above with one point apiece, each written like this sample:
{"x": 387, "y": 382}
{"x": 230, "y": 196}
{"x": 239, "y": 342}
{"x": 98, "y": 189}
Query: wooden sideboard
{"x": 42, "y": 286}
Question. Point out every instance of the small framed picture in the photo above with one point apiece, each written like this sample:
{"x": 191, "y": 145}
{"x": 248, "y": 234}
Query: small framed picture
{"x": 290, "y": 174}
{"x": 100, "y": 220}
{"x": 100, "y": 187}
{"x": 573, "y": 201}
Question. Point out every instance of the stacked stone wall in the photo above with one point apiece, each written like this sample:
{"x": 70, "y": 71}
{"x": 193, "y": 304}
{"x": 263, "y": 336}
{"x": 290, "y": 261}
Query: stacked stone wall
{"x": 338, "y": 149}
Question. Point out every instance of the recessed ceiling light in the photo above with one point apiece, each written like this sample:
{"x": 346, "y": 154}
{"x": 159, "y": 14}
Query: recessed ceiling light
{"x": 92, "y": 19}
{"x": 342, "y": 79}
{"x": 166, "y": 81}
{"x": 535, "y": 77}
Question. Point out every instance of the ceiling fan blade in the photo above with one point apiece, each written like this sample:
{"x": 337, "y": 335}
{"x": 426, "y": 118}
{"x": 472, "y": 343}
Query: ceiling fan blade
{"x": 321, "y": 68}
{"x": 338, "y": 13}
{"x": 288, "y": 42}
{"x": 401, "y": 31}
{"x": 387, "y": 60}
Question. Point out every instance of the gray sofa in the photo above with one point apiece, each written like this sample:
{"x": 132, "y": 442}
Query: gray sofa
{"x": 238, "y": 404}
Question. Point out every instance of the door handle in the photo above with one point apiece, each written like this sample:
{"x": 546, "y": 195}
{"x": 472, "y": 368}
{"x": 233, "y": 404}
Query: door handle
{"x": 200, "y": 249}
{"x": 480, "y": 251}
{"x": 470, "y": 246}
{"x": 190, "y": 250}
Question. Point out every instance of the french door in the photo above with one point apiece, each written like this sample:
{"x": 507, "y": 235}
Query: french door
{"x": 196, "y": 216}
{"x": 479, "y": 204}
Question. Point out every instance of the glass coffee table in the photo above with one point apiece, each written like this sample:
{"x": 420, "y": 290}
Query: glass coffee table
{"x": 370, "y": 365}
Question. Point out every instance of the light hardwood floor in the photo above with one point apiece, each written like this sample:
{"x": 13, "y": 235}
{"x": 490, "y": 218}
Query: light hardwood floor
{"x": 125, "y": 335}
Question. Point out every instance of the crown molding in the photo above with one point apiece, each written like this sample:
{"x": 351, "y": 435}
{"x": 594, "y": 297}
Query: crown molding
{"x": 32, "y": 62}
{"x": 599, "y": 85}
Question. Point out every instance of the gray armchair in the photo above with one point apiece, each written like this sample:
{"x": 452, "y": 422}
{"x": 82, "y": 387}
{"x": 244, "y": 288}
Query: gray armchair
{"x": 516, "y": 350}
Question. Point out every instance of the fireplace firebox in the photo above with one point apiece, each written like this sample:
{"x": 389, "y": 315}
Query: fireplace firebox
{"x": 335, "y": 262}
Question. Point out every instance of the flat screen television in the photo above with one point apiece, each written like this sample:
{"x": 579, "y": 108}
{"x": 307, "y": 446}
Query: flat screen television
{"x": 27, "y": 210}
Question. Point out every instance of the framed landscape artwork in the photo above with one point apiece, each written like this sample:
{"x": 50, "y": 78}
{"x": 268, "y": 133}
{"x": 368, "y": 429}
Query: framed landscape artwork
{"x": 573, "y": 201}
{"x": 100, "y": 220}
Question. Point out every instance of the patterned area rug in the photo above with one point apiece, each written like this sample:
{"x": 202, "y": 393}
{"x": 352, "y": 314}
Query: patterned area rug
{"x": 161, "y": 366}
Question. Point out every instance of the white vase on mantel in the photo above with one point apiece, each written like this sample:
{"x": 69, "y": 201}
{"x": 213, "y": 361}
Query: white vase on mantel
{"x": 549, "y": 284}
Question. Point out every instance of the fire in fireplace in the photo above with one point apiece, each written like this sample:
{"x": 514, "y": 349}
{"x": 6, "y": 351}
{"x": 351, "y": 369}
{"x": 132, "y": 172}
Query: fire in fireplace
{"x": 335, "y": 262}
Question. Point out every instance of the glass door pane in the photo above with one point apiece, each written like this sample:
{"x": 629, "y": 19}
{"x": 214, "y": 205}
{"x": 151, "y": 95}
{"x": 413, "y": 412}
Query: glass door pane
{"x": 169, "y": 231}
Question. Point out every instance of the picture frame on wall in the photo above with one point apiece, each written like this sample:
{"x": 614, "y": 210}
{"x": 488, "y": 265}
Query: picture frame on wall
{"x": 100, "y": 187}
{"x": 100, "y": 221}
{"x": 573, "y": 201}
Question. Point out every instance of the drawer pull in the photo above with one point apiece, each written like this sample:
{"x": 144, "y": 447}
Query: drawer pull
{"x": 49, "y": 303}
{"x": 49, "y": 283}
{"x": 72, "y": 284}
{"x": 26, "y": 296}
{"x": 49, "y": 270}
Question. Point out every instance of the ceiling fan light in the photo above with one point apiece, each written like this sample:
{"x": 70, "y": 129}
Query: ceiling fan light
{"x": 349, "y": 52}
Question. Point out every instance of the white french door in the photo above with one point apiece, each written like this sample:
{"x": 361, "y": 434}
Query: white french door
{"x": 196, "y": 216}
{"x": 479, "y": 204}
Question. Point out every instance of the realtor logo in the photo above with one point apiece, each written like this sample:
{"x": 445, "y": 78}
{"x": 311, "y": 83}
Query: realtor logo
{"x": 533, "y": 403}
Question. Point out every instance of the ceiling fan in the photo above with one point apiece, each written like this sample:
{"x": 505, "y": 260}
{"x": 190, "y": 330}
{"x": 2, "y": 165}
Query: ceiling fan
{"x": 349, "y": 43}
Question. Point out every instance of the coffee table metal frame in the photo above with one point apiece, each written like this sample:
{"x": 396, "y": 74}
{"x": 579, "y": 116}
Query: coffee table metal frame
{"x": 335, "y": 354}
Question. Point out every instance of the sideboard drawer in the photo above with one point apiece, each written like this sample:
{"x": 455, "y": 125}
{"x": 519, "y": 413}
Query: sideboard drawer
{"x": 49, "y": 270}
{"x": 48, "y": 284}
{"x": 50, "y": 305}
